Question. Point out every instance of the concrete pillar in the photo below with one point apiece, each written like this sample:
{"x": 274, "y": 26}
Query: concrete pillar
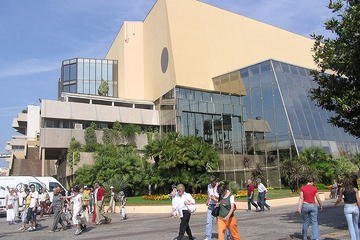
{"x": 43, "y": 162}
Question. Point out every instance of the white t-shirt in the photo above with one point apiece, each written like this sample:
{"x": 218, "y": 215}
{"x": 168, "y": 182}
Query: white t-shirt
{"x": 261, "y": 188}
{"x": 232, "y": 199}
{"x": 76, "y": 204}
{"x": 212, "y": 192}
{"x": 34, "y": 197}
{"x": 42, "y": 197}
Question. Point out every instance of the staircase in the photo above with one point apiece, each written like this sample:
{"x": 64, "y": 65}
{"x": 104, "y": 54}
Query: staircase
{"x": 30, "y": 166}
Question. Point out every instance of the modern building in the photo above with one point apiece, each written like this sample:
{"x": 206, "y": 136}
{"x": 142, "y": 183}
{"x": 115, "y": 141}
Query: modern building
{"x": 240, "y": 84}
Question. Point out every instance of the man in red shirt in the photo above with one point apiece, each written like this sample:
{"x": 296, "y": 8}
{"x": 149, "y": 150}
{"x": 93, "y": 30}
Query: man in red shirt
{"x": 250, "y": 195}
{"x": 99, "y": 200}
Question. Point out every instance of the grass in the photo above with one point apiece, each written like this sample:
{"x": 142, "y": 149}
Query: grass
{"x": 272, "y": 194}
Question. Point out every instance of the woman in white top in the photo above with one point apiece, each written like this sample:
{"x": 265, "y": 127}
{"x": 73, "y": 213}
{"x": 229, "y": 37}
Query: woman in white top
{"x": 78, "y": 219}
{"x": 44, "y": 199}
{"x": 183, "y": 204}
{"x": 10, "y": 204}
{"x": 112, "y": 203}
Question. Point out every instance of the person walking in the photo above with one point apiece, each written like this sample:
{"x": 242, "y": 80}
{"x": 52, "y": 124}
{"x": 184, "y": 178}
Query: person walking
{"x": 112, "y": 203}
{"x": 85, "y": 195}
{"x": 122, "y": 200}
{"x": 57, "y": 206}
{"x": 17, "y": 202}
{"x": 25, "y": 205}
{"x": 351, "y": 209}
{"x": 211, "y": 202}
{"x": 44, "y": 199}
{"x": 78, "y": 218}
{"x": 99, "y": 198}
{"x": 250, "y": 195}
{"x": 262, "y": 190}
{"x": 34, "y": 203}
{"x": 226, "y": 219}
{"x": 180, "y": 205}
{"x": 307, "y": 207}
{"x": 10, "y": 199}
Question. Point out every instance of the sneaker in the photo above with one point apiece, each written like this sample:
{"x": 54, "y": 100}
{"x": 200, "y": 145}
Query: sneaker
{"x": 31, "y": 229}
{"x": 51, "y": 231}
{"x": 21, "y": 229}
{"x": 77, "y": 232}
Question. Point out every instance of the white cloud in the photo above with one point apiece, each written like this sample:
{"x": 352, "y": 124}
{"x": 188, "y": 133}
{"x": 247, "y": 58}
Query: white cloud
{"x": 27, "y": 67}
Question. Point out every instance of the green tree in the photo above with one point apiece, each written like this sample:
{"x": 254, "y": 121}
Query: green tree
{"x": 73, "y": 153}
{"x": 319, "y": 164}
{"x": 182, "y": 159}
{"x": 90, "y": 138}
{"x": 294, "y": 172}
{"x": 343, "y": 167}
{"x": 338, "y": 59}
{"x": 115, "y": 163}
{"x": 130, "y": 130}
{"x": 103, "y": 88}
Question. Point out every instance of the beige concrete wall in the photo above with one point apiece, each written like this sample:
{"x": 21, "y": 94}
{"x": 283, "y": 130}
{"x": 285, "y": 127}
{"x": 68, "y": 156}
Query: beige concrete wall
{"x": 203, "y": 42}
{"x": 128, "y": 49}
{"x": 157, "y": 37}
{"x": 93, "y": 112}
{"x": 208, "y": 41}
{"x": 116, "y": 52}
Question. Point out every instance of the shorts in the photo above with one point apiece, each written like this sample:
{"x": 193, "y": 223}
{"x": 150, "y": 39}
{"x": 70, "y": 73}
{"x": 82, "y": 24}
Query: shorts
{"x": 31, "y": 215}
{"x": 78, "y": 219}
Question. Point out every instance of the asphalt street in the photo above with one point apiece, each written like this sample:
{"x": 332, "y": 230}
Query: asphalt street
{"x": 278, "y": 224}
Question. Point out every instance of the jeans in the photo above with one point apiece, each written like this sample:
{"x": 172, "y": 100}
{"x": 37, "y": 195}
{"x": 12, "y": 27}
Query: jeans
{"x": 261, "y": 200}
{"x": 352, "y": 217}
{"x": 184, "y": 226}
{"x": 310, "y": 214}
{"x": 251, "y": 201}
{"x": 209, "y": 222}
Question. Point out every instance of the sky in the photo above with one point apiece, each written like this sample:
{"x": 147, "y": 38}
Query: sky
{"x": 36, "y": 35}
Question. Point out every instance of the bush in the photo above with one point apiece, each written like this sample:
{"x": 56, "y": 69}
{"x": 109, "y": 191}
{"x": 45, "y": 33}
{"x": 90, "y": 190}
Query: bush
{"x": 320, "y": 186}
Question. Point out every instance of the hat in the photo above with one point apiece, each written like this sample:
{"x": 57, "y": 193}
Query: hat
{"x": 112, "y": 187}
{"x": 85, "y": 186}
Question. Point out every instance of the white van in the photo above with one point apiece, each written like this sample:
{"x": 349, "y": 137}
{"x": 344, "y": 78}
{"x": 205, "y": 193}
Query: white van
{"x": 19, "y": 181}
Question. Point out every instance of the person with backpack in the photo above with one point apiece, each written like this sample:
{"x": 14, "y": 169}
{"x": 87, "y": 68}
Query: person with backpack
{"x": 183, "y": 205}
{"x": 226, "y": 219}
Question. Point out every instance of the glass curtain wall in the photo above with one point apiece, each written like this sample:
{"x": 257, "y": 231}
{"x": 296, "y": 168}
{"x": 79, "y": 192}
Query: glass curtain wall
{"x": 217, "y": 119}
{"x": 85, "y": 76}
{"x": 310, "y": 123}
{"x": 268, "y": 136}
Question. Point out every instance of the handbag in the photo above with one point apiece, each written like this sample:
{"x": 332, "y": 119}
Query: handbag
{"x": 216, "y": 211}
{"x": 191, "y": 208}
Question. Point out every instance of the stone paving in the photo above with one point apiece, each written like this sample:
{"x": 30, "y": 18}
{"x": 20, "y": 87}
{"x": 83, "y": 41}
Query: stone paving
{"x": 281, "y": 223}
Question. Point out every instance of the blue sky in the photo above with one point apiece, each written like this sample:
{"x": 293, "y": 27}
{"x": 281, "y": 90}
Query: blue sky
{"x": 35, "y": 36}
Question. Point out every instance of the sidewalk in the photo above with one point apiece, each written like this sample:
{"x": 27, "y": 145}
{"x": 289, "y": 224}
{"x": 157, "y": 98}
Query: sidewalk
{"x": 201, "y": 208}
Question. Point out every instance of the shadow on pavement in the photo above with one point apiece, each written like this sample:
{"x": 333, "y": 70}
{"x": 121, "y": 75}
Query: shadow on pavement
{"x": 331, "y": 217}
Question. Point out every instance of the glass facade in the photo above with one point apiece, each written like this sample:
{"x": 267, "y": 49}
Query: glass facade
{"x": 273, "y": 121}
{"x": 84, "y": 76}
